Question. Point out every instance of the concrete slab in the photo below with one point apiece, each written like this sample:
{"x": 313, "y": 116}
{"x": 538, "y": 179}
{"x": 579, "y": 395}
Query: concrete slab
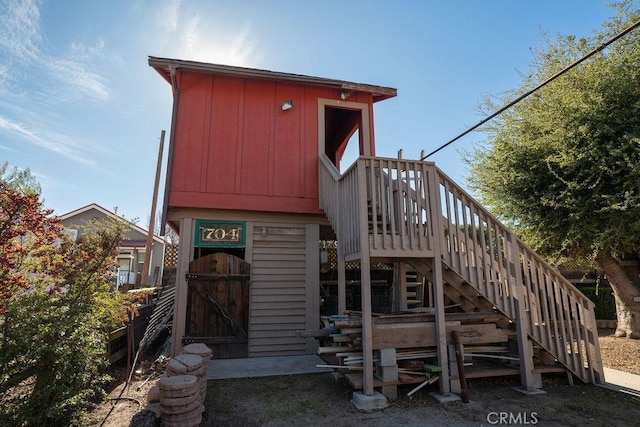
{"x": 451, "y": 397}
{"x": 365, "y": 402}
{"x": 264, "y": 367}
{"x": 623, "y": 382}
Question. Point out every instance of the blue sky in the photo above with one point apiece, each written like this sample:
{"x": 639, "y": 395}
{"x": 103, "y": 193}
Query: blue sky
{"x": 81, "y": 108}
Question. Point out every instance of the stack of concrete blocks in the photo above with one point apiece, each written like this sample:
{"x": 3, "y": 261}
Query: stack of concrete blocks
{"x": 180, "y": 403}
{"x": 178, "y": 397}
{"x": 205, "y": 353}
{"x": 387, "y": 371}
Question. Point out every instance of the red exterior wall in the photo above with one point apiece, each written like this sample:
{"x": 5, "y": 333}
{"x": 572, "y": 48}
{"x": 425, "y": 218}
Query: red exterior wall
{"x": 234, "y": 147}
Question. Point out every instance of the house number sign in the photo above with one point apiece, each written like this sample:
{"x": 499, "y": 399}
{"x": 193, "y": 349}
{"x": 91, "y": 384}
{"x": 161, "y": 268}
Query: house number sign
{"x": 219, "y": 234}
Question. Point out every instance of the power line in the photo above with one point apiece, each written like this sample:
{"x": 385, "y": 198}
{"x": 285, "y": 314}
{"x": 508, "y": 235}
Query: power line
{"x": 549, "y": 80}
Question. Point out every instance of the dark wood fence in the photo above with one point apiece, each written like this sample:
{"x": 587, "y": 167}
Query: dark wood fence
{"x": 119, "y": 340}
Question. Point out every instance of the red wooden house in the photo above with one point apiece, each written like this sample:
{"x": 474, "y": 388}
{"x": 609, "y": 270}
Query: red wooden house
{"x": 254, "y": 171}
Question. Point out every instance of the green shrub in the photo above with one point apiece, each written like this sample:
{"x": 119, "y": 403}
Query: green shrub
{"x": 56, "y": 309}
{"x": 605, "y": 303}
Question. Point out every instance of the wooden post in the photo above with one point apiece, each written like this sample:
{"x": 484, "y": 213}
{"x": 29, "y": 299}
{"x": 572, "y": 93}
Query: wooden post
{"x": 395, "y": 289}
{"x": 180, "y": 297}
{"x": 441, "y": 327}
{"x": 367, "y": 329}
{"x": 365, "y": 283}
{"x": 522, "y": 322}
{"x": 438, "y": 285}
{"x": 400, "y": 286}
{"x": 147, "y": 252}
{"x": 455, "y": 335}
{"x": 312, "y": 304}
{"x": 342, "y": 281}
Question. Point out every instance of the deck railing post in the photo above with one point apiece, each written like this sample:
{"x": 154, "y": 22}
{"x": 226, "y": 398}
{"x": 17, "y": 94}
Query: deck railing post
{"x": 529, "y": 380}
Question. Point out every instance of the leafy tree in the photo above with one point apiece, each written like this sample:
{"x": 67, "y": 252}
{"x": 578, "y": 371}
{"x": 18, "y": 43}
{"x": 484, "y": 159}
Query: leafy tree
{"x": 563, "y": 165}
{"x": 56, "y": 311}
{"x": 19, "y": 179}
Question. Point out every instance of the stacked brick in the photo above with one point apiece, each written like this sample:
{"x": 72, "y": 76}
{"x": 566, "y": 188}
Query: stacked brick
{"x": 182, "y": 390}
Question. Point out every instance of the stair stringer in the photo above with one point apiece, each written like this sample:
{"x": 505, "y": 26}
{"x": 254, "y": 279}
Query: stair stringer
{"x": 471, "y": 299}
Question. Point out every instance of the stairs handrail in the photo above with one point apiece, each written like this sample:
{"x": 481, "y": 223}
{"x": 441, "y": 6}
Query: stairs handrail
{"x": 503, "y": 268}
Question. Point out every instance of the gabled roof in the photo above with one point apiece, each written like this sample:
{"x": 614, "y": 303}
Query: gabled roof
{"x": 164, "y": 66}
{"x": 94, "y": 206}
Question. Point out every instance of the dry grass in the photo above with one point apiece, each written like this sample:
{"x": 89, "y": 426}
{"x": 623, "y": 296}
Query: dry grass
{"x": 619, "y": 353}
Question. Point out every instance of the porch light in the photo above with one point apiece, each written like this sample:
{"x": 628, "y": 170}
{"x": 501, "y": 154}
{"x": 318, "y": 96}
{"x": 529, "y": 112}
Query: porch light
{"x": 287, "y": 105}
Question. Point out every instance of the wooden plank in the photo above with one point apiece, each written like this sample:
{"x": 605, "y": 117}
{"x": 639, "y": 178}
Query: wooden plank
{"x": 341, "y": 338}
{"x": 403, "y": 335}
{"x": 351, "y": 330}
{"x": 356, "y": 380}
{"x": 347, "y": 368}
{"x": 409, "y": 335}
{"x": 317, "y": 333}
{"x": 331, "y": 349}
{"x": 486, "y": 373}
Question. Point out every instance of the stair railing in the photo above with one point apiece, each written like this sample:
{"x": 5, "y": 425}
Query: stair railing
{"x": 502, "y": 268}
{"x": 401, "y": 198}
{"x": 398, "y": 205}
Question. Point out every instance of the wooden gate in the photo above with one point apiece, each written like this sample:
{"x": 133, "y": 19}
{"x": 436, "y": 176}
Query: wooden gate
{"x": 218, "y": 305}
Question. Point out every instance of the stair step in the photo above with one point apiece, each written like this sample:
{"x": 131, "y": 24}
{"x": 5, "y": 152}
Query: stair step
{"x": 475, "y": 317}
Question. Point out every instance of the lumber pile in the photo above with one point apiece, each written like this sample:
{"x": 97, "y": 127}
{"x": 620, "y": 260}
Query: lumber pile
{"x": 405, "y": 347}
{"x": 343, "y": 335}
{"x": 341, "y": 345}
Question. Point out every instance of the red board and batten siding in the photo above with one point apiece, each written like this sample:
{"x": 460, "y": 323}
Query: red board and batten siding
{"x": 235, "y": 148}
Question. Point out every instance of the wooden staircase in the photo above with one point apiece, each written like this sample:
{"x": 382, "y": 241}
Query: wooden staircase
{"x": 410, "y": 212}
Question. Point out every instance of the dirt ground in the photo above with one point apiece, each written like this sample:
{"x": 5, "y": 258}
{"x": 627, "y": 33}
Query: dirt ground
{"x": 318, "y": 399}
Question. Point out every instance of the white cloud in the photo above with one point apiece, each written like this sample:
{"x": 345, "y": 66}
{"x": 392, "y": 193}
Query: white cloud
{"x": 84, "y": 81}
{"x": 21, "y": 39}
{"x": 20, "y": 25}
{"x": 53, "y": 142}
{"x": 35, "y": 79}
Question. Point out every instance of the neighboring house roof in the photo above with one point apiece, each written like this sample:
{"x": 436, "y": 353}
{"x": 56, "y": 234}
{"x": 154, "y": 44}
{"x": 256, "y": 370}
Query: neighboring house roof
{"x": 94, "y": 206}
{"x": 164, "y": 66}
